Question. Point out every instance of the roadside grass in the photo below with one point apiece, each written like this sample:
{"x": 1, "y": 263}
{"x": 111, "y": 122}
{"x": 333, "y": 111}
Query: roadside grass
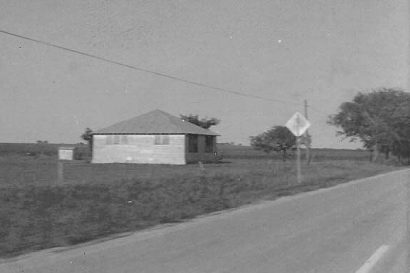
{"x": 97, "y": 200}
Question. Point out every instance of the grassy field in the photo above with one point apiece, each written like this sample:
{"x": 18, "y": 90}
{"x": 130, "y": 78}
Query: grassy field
{"x": 36, "y": 164}
{"x": 96, "y": 200}
{"x": 318, "y": 154}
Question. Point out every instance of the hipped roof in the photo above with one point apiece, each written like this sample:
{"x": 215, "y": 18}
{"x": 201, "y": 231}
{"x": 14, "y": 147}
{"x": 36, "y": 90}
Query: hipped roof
{"x": 155, "y": 122}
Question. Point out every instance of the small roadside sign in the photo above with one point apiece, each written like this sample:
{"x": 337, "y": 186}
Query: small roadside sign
{"x": 65, "y": 153}
{"x": 297, "y": 124}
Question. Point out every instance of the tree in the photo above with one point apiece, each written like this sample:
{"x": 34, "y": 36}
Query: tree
{"x": 401, "y": 123}
{"x": 204, "y": 122}
{"x": 379, "y": 119}
{"x": 87, "y": 136}
{"x": 278, "y": 139}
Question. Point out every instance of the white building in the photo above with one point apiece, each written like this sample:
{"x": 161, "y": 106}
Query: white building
{"x": 155, "y": 137}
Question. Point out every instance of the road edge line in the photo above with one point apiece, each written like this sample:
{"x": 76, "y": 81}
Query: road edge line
{"x": 372, "y": 261}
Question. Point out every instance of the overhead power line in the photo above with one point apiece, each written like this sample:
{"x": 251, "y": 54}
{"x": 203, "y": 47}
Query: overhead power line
{"x": 159, "y": 74}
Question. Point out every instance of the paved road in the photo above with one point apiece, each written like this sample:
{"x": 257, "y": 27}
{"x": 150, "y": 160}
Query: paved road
{"x": 356, "y": 227}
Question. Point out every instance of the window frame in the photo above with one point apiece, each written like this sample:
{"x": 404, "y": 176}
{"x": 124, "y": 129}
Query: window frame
{"x": 114, "y": 139}
{"x": 209, "y": 144}
{"x": 161, "y": 140}
{"x": 193, "y": 144}
{"x": 124, "y": 139}
{"x": 108, "y": 140}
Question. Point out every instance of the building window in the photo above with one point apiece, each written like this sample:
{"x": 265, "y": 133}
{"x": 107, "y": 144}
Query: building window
{"x": 192, "y": 143}
{"x": 124, "y": 139}
{"x": 209, "y": 144}
{"x": 109, "y": 139}
{"x": 116, "y": 139}
{"x": 161, "y": 140}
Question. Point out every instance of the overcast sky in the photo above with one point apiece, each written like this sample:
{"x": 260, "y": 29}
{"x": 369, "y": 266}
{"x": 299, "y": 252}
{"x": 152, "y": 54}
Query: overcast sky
{"x": 324, "y": 51}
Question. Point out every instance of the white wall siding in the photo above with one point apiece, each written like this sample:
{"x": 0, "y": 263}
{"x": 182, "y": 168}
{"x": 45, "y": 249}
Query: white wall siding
{"x": 139, "y": 149}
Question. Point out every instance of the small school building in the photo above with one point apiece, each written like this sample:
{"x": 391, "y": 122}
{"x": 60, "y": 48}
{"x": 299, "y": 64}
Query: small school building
{"x": 154, "y": 138}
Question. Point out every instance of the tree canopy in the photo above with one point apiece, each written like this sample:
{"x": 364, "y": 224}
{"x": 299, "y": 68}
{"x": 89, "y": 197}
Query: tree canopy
{"x": 278, "y": 139}
{"x": 379, "y": 119}
{"x": 87, "y": 136}
{"x": 205, "y": 123}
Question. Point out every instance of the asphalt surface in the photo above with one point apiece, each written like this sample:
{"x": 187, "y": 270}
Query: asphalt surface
{"x": 355, "y": 227}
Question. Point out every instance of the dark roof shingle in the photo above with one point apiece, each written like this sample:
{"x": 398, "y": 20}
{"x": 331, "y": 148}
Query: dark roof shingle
{"x": 155, "y": 122}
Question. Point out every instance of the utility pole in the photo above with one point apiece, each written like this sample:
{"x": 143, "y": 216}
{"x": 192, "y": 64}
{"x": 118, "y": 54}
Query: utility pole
{"x": 306, "y": 135}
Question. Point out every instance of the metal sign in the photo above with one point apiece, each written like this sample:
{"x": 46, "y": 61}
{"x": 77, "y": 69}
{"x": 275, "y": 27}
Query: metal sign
{"x": 65, "y": 153}
{"x": 297, "y": 124}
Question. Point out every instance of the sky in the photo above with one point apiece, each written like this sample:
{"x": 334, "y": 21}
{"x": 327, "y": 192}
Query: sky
{"x": 324, "y": 51}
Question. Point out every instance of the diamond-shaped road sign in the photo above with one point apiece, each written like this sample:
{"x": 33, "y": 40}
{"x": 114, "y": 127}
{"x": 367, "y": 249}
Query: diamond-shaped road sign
{"x": 298, "y": 124}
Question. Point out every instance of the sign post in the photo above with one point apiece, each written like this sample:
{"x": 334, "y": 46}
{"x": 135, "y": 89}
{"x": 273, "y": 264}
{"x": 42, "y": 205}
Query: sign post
{"x": 64, "y": 154}
{"x": 60, "y": 172}
{"x": 298, "y": 167}
{"x": 298, "y": 125}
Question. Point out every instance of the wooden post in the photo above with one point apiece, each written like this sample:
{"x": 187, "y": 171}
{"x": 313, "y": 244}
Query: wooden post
{"x": 298, "y": 168}
{"x": 60, "y": 172}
